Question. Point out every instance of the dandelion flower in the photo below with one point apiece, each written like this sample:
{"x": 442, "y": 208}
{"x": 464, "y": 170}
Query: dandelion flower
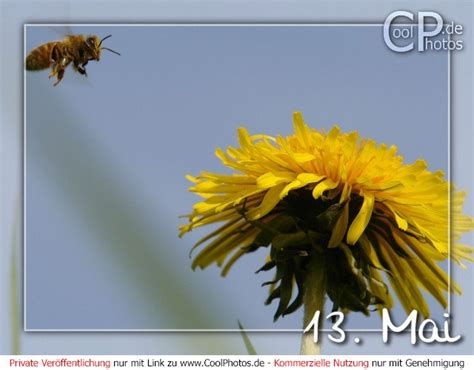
{"x": 339, "y": 215}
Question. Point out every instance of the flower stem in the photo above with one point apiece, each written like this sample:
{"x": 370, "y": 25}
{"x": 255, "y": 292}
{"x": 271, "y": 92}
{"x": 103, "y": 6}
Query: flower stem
{"x": 314, "y": 294}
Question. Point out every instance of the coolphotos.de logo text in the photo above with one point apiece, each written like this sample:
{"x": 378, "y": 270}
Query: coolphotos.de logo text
{"x": 429, "y": 32}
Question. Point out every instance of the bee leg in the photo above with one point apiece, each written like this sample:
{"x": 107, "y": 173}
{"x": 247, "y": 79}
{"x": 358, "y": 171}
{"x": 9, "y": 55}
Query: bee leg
{"x": 54, "y": 70}
{"x": 60, "y": 75}
{"x": 55, "y": 56}
{"x": 80, "y": 68}
{"x": 53, "y": 67}
{"x": 59, "y": 69}
{"x": 58, "y": 62}
{"x": 82, "y": 71}
{"x": 83, "y": 67}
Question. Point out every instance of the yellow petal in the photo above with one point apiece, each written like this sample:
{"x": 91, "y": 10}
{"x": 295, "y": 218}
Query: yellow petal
{"x": 308, "y": 178}
{"x": 340, "y": 228}
{"x": 302, "y": 180}
{"x": 361, "y": 220}
{"x": 244, "y": 139}
{"x": 320, "y": 188}
{"x": 370, "y": 253}
{"x": 228, "y": 179}
{"x": 333, "y": 134}
{"x": 401, "y": 222}
{"x": 303, "y": 157}
{"x": 191, "y": 178}
{"x": 301, "y": 129}
{"x": 291, "y": 186}
{"x": 346, "y": 193}
{"x": 270, "y": 200}
{"x": 271, "y": 179}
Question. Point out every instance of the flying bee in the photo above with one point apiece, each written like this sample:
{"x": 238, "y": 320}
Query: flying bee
{"x": 75, "y": 49}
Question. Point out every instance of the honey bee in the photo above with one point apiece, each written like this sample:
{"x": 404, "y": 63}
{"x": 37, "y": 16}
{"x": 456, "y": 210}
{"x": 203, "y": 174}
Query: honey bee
{"x": 75, "y": 49}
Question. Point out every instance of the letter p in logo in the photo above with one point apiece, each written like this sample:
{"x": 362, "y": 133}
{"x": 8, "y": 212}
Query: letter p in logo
{"x": 421, "y": 27}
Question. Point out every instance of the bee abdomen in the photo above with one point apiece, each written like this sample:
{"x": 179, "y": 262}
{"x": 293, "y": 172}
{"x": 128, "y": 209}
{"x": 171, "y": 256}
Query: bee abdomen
{"x": 40, "y": 57}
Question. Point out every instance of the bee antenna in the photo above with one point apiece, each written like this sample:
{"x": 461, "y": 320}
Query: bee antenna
{"x": 113, "y": 51}
{"x": 105, "y": 38}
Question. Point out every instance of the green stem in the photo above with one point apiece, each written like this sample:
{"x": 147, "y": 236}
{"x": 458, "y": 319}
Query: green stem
{"x": 314, "y": 294}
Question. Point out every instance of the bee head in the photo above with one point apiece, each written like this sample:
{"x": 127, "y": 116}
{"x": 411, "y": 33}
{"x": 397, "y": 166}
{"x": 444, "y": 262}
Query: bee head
{"x": 95, "y": 45}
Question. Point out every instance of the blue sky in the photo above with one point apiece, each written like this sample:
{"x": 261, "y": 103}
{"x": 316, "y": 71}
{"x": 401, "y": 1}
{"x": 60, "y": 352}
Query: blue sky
{"x": 124, "y": 138}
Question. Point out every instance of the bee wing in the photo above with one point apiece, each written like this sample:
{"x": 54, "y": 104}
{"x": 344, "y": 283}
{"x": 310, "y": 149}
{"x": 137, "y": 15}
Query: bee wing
{"x": 61, "y": 30}
{"x": 64, "y": 29}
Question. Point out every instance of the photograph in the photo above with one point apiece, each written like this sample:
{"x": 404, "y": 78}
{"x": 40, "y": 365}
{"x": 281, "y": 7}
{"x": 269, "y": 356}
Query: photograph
{"x": 211, "y": 137}
{"x": 242, "y": 186}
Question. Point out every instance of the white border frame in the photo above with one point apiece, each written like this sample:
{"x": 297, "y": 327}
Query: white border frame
{"x": 25, "y": 328}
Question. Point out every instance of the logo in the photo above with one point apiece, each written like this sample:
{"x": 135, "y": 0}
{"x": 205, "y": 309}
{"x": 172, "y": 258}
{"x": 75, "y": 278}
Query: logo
{"x": 429, "y": 32}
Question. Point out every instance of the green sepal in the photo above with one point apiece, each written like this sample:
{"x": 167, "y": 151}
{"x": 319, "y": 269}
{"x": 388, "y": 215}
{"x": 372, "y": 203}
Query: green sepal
{"x": 286, "y": 289}
{"x": 327, "y": 219}
{"x": 266, "y": 267}
{"x": 273, "y": 295}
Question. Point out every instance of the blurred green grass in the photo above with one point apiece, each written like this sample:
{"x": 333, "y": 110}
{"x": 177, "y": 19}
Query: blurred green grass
{"x": 247, "y": 342}
{"x": 92, "y": 184}
{"x": 94, "y": 188}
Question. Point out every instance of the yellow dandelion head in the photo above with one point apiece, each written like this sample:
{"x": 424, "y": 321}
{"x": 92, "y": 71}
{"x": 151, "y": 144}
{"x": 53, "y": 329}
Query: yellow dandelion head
{"x": 333, "y": 197}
